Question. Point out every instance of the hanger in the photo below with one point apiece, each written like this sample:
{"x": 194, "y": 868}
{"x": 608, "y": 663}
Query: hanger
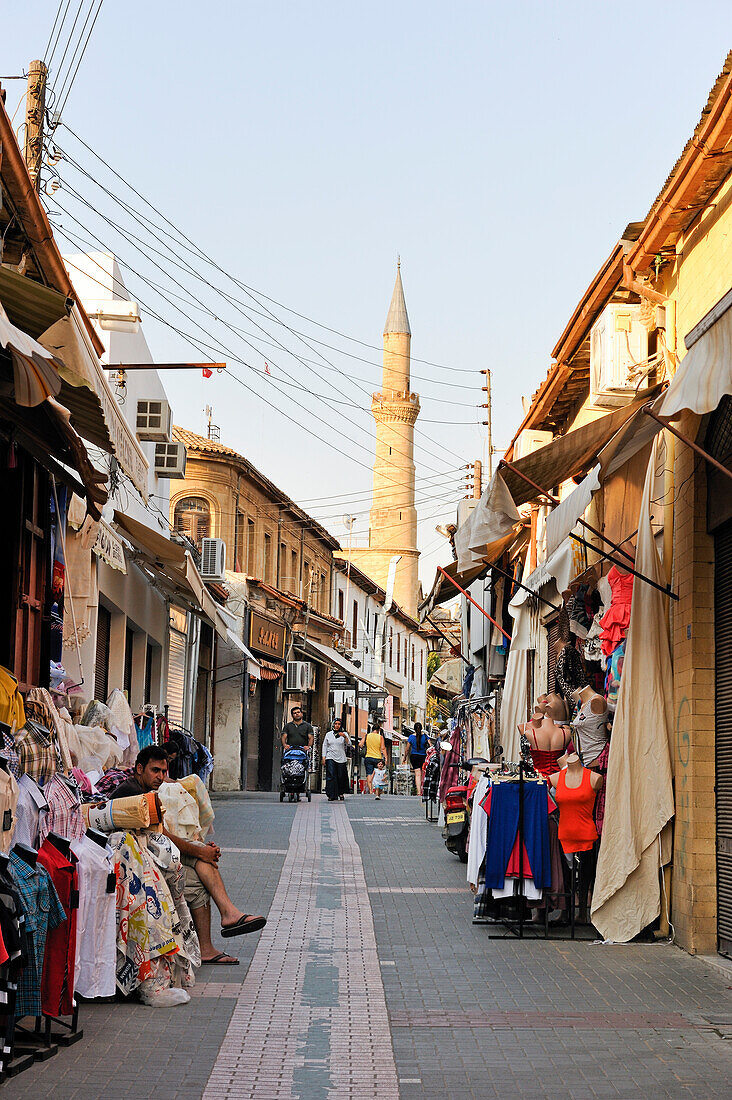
{"x": 99, "y": 838}
{"x": 60, "y": 843}
{"x": 28, "y": 855}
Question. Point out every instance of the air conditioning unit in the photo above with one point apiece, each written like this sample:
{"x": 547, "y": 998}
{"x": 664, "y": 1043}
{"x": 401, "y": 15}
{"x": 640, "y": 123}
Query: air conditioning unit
{"x": 300, "y": 676}
{"x": 528, "y": 441}
{"x": 618, "y": 344}
{"x": 153, "y": 420}
{"x": 213, "y": 559}
{"x": 170, "y": 460}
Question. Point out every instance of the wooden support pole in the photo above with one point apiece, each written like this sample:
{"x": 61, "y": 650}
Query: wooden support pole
{"x": 35, "y": 113}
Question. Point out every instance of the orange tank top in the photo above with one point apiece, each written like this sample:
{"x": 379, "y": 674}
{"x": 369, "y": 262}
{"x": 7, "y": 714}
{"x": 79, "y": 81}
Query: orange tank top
{"x": 577, "y": 831}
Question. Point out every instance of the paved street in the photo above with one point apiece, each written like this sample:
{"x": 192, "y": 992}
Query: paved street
{"x": 371, "y": 980}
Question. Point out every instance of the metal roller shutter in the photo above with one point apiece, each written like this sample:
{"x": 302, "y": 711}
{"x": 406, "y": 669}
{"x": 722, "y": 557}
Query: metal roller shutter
{"x": 553, "y": 637}
{"x": 176, "y": 677}
{"x": 101, "y": 667}
{"x": 723, "y": 724}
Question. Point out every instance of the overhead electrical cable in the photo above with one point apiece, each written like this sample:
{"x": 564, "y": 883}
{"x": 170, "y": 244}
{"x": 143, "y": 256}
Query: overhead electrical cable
{"x": 68, "y": 84}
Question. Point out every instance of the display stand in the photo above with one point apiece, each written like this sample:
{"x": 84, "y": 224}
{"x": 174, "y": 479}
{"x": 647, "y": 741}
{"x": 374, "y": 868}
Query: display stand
{"x": 429, "y": 808}
{"x": 71, "y": 1033}
{"x": 517, "y": 925}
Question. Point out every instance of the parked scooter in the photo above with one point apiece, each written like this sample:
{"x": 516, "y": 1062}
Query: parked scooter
{"x": 457, "y": 813}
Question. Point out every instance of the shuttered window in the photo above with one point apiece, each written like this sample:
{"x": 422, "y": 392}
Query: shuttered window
{"x": 129, "y": 642}
{"x": 553, "y": 638}
{"x": 101, "y": 669}
{"x": 176, "y": 676}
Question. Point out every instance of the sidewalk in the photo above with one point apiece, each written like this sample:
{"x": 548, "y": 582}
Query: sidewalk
{"x": 370, "y": 980}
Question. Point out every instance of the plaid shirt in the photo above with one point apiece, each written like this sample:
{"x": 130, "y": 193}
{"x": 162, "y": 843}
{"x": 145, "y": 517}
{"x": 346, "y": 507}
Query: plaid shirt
{"x": 64, "y": 811}
{"x": 37, "y": 754}
{"x": 43, "y": 912}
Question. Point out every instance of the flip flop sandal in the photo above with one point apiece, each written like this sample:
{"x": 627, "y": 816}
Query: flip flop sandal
{"x": 243, "y": 925}
{"x": 222, "y": 959}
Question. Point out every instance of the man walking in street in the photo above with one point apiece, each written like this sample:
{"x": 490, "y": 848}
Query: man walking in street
{"x": 297, "y": 733}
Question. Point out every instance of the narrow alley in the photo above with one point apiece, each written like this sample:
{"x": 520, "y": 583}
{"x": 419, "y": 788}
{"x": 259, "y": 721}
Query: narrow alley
{"x": 370, "y": 981}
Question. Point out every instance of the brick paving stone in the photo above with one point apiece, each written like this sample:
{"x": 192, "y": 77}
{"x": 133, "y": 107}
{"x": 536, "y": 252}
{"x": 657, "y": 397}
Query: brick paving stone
{"x": 473, "y": 1016}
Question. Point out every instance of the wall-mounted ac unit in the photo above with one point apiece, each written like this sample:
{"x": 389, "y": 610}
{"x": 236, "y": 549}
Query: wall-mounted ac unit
{"x": 170, "y": 460}
{"x": 153, "y": 420}
{"x": 618, "y": 344}
{"x": 530, "y": 440}
{"x": 300, "y": 676}
{"x": 213, "y": 559}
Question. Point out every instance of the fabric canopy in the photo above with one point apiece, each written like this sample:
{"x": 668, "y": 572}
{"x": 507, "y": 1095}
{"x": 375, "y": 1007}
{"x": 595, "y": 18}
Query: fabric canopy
{"x": 443, "y": 591}
{"x": 526, "y": 637}
{"x": 569, "y": 454}
{"x": 494, "y": 517}
{"x": 564, "y": 518}
{"x": 333, "y": 658}
{"x": 640, "y": 801}
{"x": 704, "y": 375}
{"x": 175, "y": 571}
{"x": 35, "y": 370}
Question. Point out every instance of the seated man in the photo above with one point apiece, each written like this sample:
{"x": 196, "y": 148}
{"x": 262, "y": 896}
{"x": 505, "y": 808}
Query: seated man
{"x": 200, "y": 860}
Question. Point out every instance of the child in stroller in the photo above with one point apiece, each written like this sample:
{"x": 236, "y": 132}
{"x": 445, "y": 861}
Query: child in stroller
{"x": 294, "y": 775}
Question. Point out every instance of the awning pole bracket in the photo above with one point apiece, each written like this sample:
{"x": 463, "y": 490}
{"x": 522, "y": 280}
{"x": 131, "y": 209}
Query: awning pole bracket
{"x": 526, "y": 588}
{"x": 470, "y": 598}
{"x": 685, "y": 439}
{"x": 553, "y": 500}
{"x": 667, "y": 591}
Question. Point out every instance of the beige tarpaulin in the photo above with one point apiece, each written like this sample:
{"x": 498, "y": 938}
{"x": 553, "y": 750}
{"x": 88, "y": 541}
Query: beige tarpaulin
{"x": 640, "y": 801}
{"x": 704, "y": 375}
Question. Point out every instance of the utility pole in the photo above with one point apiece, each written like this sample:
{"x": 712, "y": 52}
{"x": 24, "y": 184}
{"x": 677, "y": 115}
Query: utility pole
{"x": 35, "y": 113}
{"x": 477, "y": 479}
{"x": 489, "y": 422}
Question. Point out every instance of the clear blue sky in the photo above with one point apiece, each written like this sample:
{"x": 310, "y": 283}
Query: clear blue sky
{"x": 500, "y": 148}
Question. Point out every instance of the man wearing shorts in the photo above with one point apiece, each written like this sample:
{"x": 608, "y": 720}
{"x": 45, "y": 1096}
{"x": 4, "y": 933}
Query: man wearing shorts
{"x": 200, "y": 860}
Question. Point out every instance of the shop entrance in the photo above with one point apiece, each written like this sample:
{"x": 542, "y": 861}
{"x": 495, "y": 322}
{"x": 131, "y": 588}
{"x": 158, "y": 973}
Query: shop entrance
{"x": 267, "y": 700}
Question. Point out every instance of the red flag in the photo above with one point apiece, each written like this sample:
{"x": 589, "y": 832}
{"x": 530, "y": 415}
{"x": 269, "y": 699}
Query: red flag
{"x": 206, "y": 372}
{"x": 266, "y": 367}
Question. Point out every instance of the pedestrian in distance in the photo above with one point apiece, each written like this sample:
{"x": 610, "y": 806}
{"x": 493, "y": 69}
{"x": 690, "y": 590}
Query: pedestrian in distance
{"x": 373, "y": 749}
{"x": 297, "y": 733}
{"x": 335, "y": 760}
{"x": 416, "y": 751}
{"x": 381, "y": 782}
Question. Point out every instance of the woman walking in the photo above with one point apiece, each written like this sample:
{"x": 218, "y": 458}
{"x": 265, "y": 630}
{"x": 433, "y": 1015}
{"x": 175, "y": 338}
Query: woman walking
{"x": 375, "y": 749}
{"x": 417, "y": 746}
{"x": 335, "y": 760}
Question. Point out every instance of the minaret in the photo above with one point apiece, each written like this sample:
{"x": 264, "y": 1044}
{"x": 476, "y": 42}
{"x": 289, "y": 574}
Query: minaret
{"x": 393, "y": 516}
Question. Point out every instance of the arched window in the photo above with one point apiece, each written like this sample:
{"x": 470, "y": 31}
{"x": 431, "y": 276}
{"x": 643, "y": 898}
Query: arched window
{"x": 192, "y": 518}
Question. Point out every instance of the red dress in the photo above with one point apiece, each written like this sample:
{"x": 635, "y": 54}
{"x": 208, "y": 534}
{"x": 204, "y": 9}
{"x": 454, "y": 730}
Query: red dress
{"x": 614, "y": 623}
{"x": 57, "y": 982}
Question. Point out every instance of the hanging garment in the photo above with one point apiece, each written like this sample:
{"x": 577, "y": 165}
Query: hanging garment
{"x": 44, "y": 914}
{"x": 569, "y": 673}
{"x": 59, "y": 960}
{"x": 478, "y": 831}
{"x": 145, "y": 913}
{"x": 64, "y": 814}
{"x": 616, "y": 619}
{"x": 614, "y": 674}
{"x": 123, "y": 726}
{"x": 10, "y": 753}
{"x": 431, "y": 777}
{"x": 145, "y": 728}
{"x": 31, "y": 807}
{"x": 600, "y": 767}
{"x": 41, "y": 707}
{"x": 503, "y": 831}
{"x": 8, "y": 803}
{"x": 577, "y": 831}
{"x": 36, "y": 752}
{"x": 593, "y": 644}
{"x": 12, "y": 926}
{"x": 12, "y": 711}
{"x": 113, "y": 779}
{"x": 591, "y": 732}
{"x": 96, "y": 926}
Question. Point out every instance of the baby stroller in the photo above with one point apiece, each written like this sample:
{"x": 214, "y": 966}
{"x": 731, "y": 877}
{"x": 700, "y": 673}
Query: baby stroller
{"x": 294, "y": 775}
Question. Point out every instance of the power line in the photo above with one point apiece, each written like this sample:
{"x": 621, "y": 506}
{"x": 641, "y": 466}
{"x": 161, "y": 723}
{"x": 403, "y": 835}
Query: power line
{"x": 202, "y": 346}
{"x": 53, "y": 28}
{"x": 244, "y": 286}
{"x": 71, "y": 35}
{"x": 81, "y": 57}
{"x": 132, "y": 239}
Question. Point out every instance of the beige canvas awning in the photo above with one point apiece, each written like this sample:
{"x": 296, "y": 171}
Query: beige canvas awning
{"x": 704, "y": 375}
{"x": 569, "y": 454}
{"x": 173, "y": 570}
{"x": 442, "y": 590}
{"x": 86, "y": 393}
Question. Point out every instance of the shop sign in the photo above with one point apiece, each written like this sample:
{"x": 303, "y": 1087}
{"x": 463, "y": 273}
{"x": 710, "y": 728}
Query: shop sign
{"x": 266, "y": 637}
{"x": 108, "y": 546}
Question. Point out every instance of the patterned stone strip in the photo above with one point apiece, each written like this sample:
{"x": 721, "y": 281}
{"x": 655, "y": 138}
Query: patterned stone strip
{"x": 616, "y": 1021}
{"x": 310, "y": 1022}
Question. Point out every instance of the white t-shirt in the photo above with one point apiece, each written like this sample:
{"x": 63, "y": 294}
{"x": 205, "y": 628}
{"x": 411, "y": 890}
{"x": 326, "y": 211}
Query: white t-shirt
{"x": 380, "y": 777}
{"x": 334, "y": 747}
